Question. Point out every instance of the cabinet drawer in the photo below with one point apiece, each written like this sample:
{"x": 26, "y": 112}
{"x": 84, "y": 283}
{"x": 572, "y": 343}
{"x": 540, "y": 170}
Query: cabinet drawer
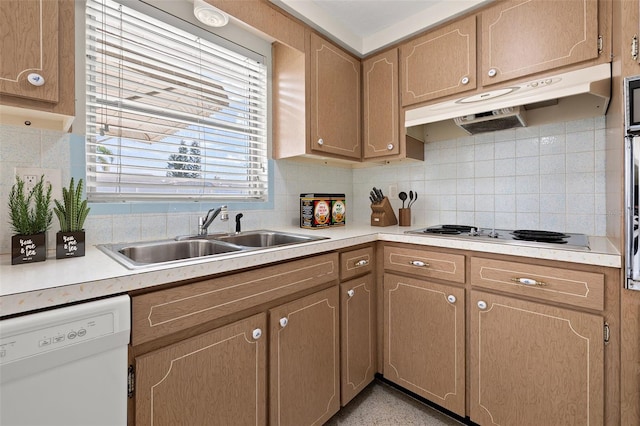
{"x": 425, "y": 263}
{"x": 573, "y": 287}
{"x": 168, "y": 311}
{"x": 356, "y": 262}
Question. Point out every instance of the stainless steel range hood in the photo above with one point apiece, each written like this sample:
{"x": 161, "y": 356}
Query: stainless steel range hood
{"x": 562, "y": 97}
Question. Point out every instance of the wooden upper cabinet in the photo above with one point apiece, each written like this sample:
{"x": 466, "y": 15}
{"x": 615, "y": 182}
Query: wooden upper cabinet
{"x": 29, "y": 46}
{"x": 533, "y": 364}
{"x": 521, "y": 37}
{"x": 334, "y": 88}
{"x": 439, "y": 63}
{"x": 38, "y": 37}
{"x": 381, "y": 105}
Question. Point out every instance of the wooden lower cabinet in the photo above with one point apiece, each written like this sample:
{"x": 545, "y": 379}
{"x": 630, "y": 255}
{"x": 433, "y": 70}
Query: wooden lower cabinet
{"x": 304, "y": 359}
{"x": 532, "y": 364}
{"x": 357, "y": 336}
{"x": 216, "y": 378}
{"x": 424, "y": 339}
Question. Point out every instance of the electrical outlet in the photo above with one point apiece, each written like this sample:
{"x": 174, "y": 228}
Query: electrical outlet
{"x": 31, "y": 176}
{"x": 29, "y": 182}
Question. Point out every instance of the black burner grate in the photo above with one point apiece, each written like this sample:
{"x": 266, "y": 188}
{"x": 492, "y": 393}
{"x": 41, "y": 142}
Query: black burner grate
{"x": 448, "y": 229}
{"x": 540, "y": 236}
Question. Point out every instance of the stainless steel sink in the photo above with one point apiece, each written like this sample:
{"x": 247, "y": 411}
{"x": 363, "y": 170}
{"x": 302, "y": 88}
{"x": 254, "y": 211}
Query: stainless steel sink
{"x": 145, "y": 254}
{"x": 137, "y": 255}
{"x": 264, "y": 238}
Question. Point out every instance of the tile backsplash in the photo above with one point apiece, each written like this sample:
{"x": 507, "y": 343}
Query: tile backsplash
{"x": 548, "y": 177}
{"x": 541, "y": 177}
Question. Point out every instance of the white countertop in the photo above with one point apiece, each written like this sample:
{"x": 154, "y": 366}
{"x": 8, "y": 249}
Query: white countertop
{"x": 55, "y": 282}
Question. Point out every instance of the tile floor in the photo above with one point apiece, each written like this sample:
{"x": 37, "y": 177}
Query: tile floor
{"x": 382, "y": 405}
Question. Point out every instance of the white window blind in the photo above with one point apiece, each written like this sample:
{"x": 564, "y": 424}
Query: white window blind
{"x": 170, "y": 115}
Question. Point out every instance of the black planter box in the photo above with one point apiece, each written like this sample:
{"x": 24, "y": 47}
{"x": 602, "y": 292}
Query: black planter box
{"x": 28, "y": 248}
{"x": 69, "y": 244}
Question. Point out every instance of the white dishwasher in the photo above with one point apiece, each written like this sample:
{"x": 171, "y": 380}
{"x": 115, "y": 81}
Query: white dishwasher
{"x": 66, "y": 366}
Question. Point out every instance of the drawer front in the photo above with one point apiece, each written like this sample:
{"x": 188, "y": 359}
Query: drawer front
{"x": 356, "y": 262}
{"x": 168, "y": 311}
{"x": 578, "y": 288}
{"x": 425, "y": 263}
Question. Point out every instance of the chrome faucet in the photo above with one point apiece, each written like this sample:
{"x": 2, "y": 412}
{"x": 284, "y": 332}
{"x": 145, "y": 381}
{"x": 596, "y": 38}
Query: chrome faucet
{"x": 204, "y": 222}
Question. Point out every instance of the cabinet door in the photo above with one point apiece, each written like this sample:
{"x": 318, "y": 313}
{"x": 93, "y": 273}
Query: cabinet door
{"x": 521, "y": 37}
{"x": 380, "y": 108}
{"x": 357, "y": 336}
{"x": 424, "y": 339}
{"x": 217, "y": 378}
{"x": 304, "y": 360}
{"x": 335, "y": 101}
{"x": 29, "y": 44}
{"x": 533, "y": 364}
{"x": 440, "y": 63}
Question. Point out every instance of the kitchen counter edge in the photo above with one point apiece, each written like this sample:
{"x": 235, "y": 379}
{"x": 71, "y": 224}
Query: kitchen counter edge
{"x": 29, "y": 287}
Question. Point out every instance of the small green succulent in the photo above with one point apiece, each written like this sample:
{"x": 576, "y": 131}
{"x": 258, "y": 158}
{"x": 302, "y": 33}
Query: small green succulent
{"x": 72, "y": 211}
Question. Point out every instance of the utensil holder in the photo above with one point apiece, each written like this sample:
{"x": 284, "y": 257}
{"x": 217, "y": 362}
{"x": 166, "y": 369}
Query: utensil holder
{"x": 383, "y": 214}
{"x": 405, "y": 216}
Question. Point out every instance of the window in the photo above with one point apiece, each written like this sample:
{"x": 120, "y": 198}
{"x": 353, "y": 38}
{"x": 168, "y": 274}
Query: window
{"x": 171, "y": 115}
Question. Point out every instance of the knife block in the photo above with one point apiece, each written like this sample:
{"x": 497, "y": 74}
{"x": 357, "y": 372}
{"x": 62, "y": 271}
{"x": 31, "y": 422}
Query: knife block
{"x": 382, "y": 214}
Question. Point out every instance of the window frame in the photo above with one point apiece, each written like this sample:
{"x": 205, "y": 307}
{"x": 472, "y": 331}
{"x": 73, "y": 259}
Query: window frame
{"x": 230, "y": 35}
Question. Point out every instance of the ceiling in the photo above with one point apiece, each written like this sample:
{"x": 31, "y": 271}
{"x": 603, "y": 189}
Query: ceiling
{"x": 364, "y": 26}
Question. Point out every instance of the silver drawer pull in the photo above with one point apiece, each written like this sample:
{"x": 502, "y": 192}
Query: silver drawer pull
{"x": 419, "y": 263}
{"x": 528, "y": 281}
{"x": 361, "y": 262}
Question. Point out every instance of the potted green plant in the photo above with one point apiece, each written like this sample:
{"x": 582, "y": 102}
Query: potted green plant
{"x": 30, "y": 216}
{"x": 71, "y": 213}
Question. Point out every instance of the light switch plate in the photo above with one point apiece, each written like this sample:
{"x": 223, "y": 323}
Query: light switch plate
{"x": 393, "y": 191}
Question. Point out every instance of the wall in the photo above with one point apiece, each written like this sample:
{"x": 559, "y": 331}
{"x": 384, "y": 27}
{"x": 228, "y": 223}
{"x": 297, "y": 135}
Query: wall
{"x": 547, "y": 177}
{"x": 21, "y": 147}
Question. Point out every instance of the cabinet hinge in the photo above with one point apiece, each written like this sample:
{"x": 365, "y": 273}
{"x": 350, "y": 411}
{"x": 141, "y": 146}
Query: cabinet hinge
{"x": 607, "y": 333}
{"x": 600, "y": 44}
{"x": 131, "y": 380}
{"x": 634, "y": 47}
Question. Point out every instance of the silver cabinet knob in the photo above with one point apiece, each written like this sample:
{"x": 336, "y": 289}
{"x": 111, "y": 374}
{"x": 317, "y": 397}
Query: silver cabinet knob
{"x": 464, "y": 80}
{"x": 361, "y": 262}
{"x": 320, "y": 141}
{"x": 482, "y": 305}
{"x": 35, "y": 79}
{"x": 283, "y": 322}
{"x": 351, "y": 292}
{"x": 451, "y": 298}
{"x": 492, "y": 72}
{"x": 390, "y": 146}
{"x": 257, "y": 333}
{"x": 419, "y": 263}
